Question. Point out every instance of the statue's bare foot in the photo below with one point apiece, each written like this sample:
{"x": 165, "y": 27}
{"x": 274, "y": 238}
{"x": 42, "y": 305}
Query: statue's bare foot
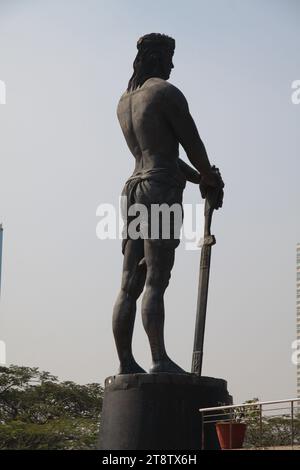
{"x": 166, "y": 366}
{"x": 130, "y": 367}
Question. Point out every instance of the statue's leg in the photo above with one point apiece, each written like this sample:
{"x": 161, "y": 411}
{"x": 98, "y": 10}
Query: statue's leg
{"x": 159, "y": 257}
{"x": 133, "y": 280}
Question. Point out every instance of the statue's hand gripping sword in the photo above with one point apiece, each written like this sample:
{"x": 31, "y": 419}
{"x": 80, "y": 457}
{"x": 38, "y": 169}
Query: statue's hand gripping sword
{"x": 214, "y": 199}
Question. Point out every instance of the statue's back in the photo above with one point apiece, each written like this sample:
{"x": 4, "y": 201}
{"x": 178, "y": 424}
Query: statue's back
{"x": 145, "y": 126}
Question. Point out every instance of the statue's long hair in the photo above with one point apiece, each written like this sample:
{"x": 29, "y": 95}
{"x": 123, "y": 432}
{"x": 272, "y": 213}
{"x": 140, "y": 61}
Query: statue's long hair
{"x": 149, "y": 62}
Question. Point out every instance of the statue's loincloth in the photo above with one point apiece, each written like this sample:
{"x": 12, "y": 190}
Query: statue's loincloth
{"x": 151, "y": 189}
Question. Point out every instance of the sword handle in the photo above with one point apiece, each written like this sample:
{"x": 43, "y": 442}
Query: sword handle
{"x": 208, "y": 239}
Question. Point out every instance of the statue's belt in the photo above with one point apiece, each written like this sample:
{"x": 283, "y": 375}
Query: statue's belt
{"x": 160, "y": 175}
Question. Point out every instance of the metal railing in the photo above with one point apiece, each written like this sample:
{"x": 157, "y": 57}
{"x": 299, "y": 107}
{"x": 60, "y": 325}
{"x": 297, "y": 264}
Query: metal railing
{"x": 265, "y": 424}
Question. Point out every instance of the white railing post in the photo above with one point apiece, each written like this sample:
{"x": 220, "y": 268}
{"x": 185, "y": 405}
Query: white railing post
{"x": 260, "y": 424}
{"x": 292, "y": 416}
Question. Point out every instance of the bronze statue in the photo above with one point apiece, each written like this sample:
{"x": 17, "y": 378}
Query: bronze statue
{"x": 155, "y": 119}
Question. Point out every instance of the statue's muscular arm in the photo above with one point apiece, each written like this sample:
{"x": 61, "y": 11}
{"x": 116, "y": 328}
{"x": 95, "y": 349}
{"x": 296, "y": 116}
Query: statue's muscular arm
{"x": 178, "y": 115}
{"x": 191, "y": 175}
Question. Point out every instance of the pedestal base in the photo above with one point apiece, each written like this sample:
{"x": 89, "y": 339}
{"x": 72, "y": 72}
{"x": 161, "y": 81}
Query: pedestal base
{"x": 159, "y": 411}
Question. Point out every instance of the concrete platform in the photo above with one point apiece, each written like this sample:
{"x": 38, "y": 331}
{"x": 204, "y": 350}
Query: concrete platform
{"x": 159, "y": 411}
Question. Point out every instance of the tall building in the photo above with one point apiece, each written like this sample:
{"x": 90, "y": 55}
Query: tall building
{"x": 1, "y": 238}
{"x": 298, "y": 316}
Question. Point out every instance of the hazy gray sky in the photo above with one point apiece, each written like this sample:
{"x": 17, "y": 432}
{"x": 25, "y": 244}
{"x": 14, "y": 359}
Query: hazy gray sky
{"x": 65, "y": 64}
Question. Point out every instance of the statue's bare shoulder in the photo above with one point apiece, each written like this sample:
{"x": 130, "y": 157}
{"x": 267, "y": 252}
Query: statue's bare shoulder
{"x": 174, "y": 99}
{"x": 169, "y": 92}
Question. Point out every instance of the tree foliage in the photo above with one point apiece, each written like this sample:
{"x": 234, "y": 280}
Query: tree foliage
{"x": 39, "y": 412}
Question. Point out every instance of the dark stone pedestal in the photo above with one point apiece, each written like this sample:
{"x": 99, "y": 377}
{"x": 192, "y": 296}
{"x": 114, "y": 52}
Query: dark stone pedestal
{"x": 159, "y": 411}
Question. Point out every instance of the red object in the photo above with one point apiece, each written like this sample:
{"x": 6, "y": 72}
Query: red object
{"x": 231, "y": 435}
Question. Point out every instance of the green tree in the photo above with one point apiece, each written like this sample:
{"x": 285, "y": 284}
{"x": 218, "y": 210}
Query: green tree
{"x": 39, "y": 412}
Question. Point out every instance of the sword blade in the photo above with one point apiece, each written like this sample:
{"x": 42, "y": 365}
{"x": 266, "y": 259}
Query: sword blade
{"x": 201, "y": 306}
